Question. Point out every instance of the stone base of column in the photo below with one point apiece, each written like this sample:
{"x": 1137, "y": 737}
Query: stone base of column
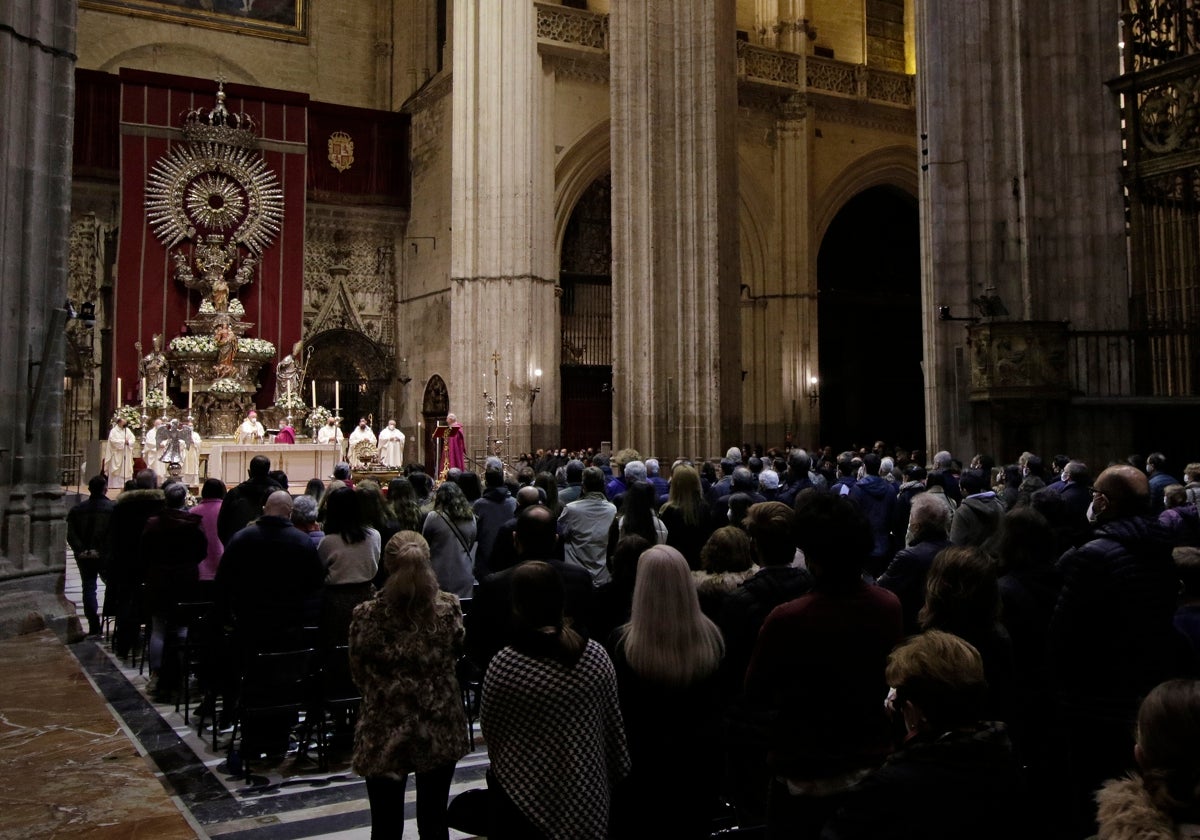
{"x": 33, "y": 603}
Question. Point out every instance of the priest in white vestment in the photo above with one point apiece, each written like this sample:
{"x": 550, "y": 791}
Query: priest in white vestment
{"x": 152, "y": 448}
{"x": 191, "y": 461}
{"x": 362, "y": 432}
{"x": 121, "y": 450}
{"x": 391, "y": 446}
{"x": 330, "y": 432}
{"x": 251, "y": 431}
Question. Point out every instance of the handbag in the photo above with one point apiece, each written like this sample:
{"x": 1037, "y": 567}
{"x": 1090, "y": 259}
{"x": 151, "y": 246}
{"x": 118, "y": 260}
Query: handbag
{"x": 467, "y": 547}
{"x": 469, "y": 812}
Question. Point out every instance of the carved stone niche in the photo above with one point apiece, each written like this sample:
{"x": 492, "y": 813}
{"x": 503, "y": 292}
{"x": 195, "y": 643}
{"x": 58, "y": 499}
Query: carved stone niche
{"x": 1023, "y": 360}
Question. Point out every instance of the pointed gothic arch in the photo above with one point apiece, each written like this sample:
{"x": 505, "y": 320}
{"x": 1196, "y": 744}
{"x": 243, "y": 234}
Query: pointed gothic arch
{"x": 435, "y": 405}
{"x": 349, "y": 368}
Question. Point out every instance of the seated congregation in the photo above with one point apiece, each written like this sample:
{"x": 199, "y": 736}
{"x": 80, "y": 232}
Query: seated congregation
{"x": 859, "y": 646}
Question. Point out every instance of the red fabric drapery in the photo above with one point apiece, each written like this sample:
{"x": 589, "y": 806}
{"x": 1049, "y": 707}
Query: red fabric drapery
{"x": 146, "y": 298}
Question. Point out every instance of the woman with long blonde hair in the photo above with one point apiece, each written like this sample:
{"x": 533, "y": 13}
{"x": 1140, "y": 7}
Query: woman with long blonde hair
{"x": 686, "y": 514}
{"x": 404, "y": 644}
{"x": 666, "y": 660}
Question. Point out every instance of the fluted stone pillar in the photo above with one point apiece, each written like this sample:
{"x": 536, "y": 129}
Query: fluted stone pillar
{"x": 797, "y": 274}
{"x": 676, "y": 336}
{"x": 1020, "y": 196}
{"x": 502, "y": 264}
{"x": 37, "y": 43}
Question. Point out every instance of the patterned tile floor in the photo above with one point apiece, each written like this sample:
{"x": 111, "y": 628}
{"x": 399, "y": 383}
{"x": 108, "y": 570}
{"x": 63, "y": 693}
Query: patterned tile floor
{"x": 288, "y": 799}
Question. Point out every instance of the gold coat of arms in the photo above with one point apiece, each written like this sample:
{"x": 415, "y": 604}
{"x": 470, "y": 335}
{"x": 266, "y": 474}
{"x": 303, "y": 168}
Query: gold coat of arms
{"x": 341, "y": 151}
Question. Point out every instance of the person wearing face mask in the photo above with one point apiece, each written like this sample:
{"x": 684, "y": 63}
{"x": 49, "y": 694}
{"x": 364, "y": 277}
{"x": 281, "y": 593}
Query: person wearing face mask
{"x": 1111, "y": 637}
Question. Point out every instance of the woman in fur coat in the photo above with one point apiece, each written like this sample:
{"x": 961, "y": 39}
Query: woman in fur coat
{"x": 404, "y": 644}
{"x": 1163, "y": 802}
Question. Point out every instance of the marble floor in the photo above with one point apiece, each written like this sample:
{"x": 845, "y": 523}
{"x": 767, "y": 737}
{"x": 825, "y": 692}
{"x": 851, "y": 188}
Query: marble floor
{"x": 290, "y": 798}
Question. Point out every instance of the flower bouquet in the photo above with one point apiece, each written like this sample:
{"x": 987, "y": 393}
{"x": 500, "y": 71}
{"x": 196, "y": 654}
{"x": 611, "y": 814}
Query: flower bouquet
{"x": 292, "y": 403}
{"x": 226, "y": 386}
{"x": 130, "y": 414}
{"x": 256, "y": 348}
{"x": 317, "y": 418}
{"x": 157, "y": 399}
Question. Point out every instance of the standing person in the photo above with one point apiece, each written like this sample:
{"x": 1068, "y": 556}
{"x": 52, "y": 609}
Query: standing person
{"x": 151, "y": 446}
{"x": 350, "y": 553}
{"x": 391, "y": 446}
{"x": 1159, "y": 478}
{"x": 552, "y": 720}
{"x": 286, "y": 434}
{"x": 404, "y": 645}
{"x": 926, "y": 535}
{"x": 955, "y": 775}
{"x": 402, "y": 499}
{"x": 269, "y": 581}
{"x": 454, "y": 448}
{"x": 212, "y": 494}
{"x": 362, "y": 432}
{"x": 584, "y": 525}
{"x": 173, "y": 546}
{"x": 126, "y": 574}
{"x": 119, "y": 459}
{"x": 244, "y": 503}
{"x": 250, "y": 431}
{"x": 1111, "y": 637}
{"x": 450, "y": 530}
{"x": 666, "y": 660}
{"x": 818, "y": 668}
{"x": 331, "y": 433}
{"x": 492, "y": 509}
{"x": 87, "y": 534}
{"x": 686, "y": 514}
{"x": 638, "y": 516}
{"x": 1161, "y": 801}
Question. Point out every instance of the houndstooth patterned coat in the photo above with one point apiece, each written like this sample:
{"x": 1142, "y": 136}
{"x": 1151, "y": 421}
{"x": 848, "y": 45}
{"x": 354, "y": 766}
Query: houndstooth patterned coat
{"x": 556, "y": 739}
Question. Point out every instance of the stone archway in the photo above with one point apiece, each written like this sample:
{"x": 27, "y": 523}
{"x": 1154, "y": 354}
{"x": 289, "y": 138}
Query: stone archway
{"x": 347, "y": 365}
{"x": 435, "y": 405}
{"x": 869, "y": 308}
{"x": 585, "y": 311}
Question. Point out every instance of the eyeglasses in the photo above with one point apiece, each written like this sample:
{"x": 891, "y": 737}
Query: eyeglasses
{"x": 1096, "y": 491}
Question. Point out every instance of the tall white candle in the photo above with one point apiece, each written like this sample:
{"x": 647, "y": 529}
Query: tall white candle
{"x": 189, "y": 395}
{"x": 314, "y": 384}
{"x": 337, "y": 396}
{"x": 145, "y": 393}
{"x": 120, "y": 394}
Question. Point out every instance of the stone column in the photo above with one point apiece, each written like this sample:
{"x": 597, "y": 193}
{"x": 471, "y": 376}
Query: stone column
{"x": 797, "y": 273}
{"x": 37, "y": 62}
{"x": 502, "y": 264}
{"x": 1019, "y": 192}
{"x": 780, "y": 24}
{"x": 676, "y": 331}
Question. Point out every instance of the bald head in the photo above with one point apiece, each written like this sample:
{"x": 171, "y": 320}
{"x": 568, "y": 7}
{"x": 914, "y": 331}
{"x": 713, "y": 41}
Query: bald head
{"x": 528, "y": 495}
{"x": 1125, "y": 489}
{"x": 279, "y": 503}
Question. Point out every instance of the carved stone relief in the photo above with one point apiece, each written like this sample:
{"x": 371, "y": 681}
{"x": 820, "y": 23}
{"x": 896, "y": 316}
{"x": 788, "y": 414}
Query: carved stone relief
{"x": 1018, "y": 359}
{"x": 349, "y": 277}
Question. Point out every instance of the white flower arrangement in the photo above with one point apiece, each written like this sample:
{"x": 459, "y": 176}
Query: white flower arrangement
{"x": 255, "y": 347}
{"x": 236, "y": 308}
{"x": 157, "y": 399}
{"x": 293, "y": 402}
{"x": 206, "y": 345}
{"x": 225, "y": 385}
{"x": 317, "y": 418}
{"x": 131, "y": 415}
{"x": 199, "y": 344}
